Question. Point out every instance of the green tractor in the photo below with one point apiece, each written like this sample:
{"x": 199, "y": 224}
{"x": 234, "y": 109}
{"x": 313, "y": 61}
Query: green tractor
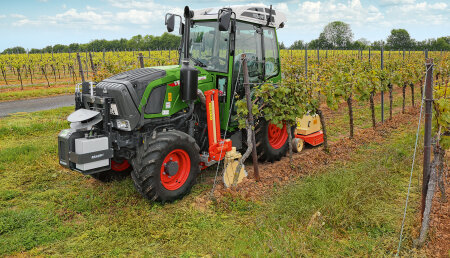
{"x": 165, "y": 124}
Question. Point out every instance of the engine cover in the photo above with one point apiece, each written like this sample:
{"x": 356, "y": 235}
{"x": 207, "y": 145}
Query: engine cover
{"x": 127, "y": 90}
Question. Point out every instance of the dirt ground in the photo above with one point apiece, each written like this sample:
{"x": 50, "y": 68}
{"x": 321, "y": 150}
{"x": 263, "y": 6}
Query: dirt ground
{"x": 282, "y": 172}
{"x": 439, "y": 237}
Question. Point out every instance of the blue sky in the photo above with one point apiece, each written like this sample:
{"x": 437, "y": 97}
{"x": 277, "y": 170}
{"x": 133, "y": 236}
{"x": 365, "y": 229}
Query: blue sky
{"x": 39, "y": 23}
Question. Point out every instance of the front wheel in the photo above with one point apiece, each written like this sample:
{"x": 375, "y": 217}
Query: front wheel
{"x": 167, "y": 167}
{"x": 120, "y": 169}
{"x": 271, "y": 141}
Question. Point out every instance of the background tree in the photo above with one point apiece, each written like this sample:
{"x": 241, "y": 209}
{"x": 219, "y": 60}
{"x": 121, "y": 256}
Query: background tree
{"x": 358, "y": 45}
{"x": 298, "y": 44}
{"x": 138, "y": 42}
{"x": 321, "y": 42}
{"x": 378, "y": 44}
{"x": 399, "y": 39}
{"x": 442, "y": 43}
{"x": 338, "y": 34}
{"x": 74, "y": 47}
{"x": 361, "y": 43}
{"x": 14, "y": 50}
{"x": 60, "y": 48}
{"x": 35, "y": 51}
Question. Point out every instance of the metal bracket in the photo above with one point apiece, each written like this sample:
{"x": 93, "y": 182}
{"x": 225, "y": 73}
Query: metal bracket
{"x": 91, "y": 156}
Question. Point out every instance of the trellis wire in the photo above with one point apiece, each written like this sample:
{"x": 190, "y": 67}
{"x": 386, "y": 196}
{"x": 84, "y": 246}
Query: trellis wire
{"x": 411, "y": 173}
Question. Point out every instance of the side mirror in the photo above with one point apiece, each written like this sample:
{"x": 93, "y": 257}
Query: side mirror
{"x": 224, "y": 20}
{"x": 170, "y": 22}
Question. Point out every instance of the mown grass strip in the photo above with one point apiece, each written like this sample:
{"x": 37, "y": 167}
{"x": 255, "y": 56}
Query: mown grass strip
{"x": 46, "y": 210}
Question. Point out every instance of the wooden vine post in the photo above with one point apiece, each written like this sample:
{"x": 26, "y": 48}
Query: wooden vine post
{"x": 87, "y": 66}
{"x": 80, "y": 65}
{"x": 92, "y": 64}
{"x": 250, "y": 117}
{"x": 427, "y": 132}
{"x": 371, "y": 97}
{"x": 431, "y": 169}
{"x": 141, "y": 60}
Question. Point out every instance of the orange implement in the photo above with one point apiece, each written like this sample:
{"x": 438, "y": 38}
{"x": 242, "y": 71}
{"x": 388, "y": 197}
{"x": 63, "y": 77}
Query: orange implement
{"x": 218, "y": 147}
{"x": 314, "y": 139}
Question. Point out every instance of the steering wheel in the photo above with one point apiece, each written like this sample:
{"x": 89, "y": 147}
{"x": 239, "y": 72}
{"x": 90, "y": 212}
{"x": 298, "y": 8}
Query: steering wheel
{"x": 270, "y": 68}
{"x": 220, "y": 58}
{"x": 252, "y": 63}
{"x": 216, "y": 60}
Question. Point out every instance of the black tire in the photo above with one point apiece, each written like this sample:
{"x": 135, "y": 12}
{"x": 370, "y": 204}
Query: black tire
{"x": 149, "y": 160}
{"x": 112, "y": 175}
{"x": 264, "y": 149}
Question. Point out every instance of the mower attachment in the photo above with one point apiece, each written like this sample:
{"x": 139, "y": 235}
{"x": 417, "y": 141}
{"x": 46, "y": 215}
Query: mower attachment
{"x": 308, "y": 130}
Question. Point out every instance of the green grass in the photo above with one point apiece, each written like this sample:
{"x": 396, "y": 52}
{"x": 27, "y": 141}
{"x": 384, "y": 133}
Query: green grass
{"x": 360, "y": 204}
{"x": 47, "y": 210}
{"x": 36, "y": 93}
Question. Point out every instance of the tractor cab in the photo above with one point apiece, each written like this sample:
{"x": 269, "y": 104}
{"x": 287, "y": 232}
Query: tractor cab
{"x": 217, "y": 38}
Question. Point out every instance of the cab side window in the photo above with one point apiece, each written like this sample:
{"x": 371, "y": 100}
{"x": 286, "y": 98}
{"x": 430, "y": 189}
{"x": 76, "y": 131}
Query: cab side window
{"x": 271, "y": 53}
{"x": 248, "y": 42}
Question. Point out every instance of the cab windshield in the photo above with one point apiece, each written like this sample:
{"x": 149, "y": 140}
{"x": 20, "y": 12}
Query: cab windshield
{"x": 209, "y": 46}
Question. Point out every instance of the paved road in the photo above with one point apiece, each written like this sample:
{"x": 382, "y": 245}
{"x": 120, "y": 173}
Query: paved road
{"x": 31, "y": 105}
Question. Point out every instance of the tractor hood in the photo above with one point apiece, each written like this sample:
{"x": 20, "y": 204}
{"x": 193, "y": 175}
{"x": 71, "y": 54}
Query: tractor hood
{"x": 145, "y": 90}
{"x": 135, "y": 82}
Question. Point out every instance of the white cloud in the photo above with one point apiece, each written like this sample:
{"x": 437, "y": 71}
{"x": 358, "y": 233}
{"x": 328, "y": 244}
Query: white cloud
{"x": 90, "y": 8}
{"x": 419, "y": 14}
{"x": 310, "y": 11}
{"x": 129, "y": 4}
{"x": 149, "y": 5}
{"x": 17, "y": 16}
{"x": 70, "y": 19}
{"x": 423, "y": 6}
{"x": 314, "y": 16}
{"x": 396, "y": 2}
{"x": 72, "y": 16}
{"x": 24, "y": 22}
{"x": 95, "y": 19}
{"x": 2, "y": 16}
{"x": 135, "y": 16}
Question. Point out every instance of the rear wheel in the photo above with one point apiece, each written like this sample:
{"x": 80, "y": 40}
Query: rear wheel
{"x": 167, "y": 168}
{"x": 271, "y": 141}
{"x": 120, "y": 169}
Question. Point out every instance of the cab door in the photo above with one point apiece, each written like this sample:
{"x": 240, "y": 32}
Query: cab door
{"x": 249, "y": 42}
{"x": 271, "y": 55}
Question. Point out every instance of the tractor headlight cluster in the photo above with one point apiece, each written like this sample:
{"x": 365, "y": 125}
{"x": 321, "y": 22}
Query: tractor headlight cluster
{"x": 122, "y": 124}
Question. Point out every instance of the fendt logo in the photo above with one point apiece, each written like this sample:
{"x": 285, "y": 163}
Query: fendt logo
{"x": 97, "y": 156}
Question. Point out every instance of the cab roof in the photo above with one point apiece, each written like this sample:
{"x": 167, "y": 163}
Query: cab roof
{"x": 258, "y": 14}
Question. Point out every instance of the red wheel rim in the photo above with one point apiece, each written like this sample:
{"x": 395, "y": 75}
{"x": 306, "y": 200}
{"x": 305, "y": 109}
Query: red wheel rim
{"x": 277, "y": 136}
{"x": 183, "y": 163}
{"x": 119, "y": 166}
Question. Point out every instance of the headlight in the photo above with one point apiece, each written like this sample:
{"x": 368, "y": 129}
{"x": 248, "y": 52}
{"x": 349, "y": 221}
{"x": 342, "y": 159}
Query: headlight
{"x": 122, "y": 124}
